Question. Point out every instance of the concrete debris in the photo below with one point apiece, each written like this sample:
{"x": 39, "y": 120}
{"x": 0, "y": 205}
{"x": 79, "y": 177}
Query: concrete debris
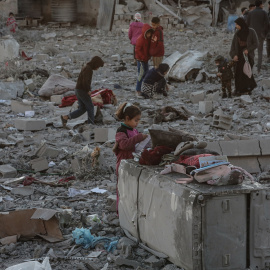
{"x": 7, "y": 171}
{"x": 9, "y": 48}
{"x": 197, "y": 15}
{"x": 11, "y": 90}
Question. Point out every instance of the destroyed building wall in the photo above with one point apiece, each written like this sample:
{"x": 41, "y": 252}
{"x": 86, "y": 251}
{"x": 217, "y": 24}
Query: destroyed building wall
{"x": 8, "y": 6}
{"x": 87, "y": 11}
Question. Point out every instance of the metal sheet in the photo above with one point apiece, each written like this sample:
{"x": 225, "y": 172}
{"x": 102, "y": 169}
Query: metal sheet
{"x": 259, "y": 230}
{"x": 225, "y": 233}
{"x": 105, "y": 15}
{"x": 64, "y": 10}
{"x": 29, "y": 8}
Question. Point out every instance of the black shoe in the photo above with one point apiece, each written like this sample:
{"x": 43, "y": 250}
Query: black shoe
{"x": 224, "y": 95}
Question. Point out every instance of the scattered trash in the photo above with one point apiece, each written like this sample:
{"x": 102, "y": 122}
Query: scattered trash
{"x": 87, "y": 240}
{"x": 32, "y": 265}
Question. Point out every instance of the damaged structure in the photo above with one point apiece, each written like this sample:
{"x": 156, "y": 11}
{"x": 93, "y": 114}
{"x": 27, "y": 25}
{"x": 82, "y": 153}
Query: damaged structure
{"x": 195, "y": 198}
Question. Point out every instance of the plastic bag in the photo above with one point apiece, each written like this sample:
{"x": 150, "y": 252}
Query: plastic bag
{"x": 247, "y": 68}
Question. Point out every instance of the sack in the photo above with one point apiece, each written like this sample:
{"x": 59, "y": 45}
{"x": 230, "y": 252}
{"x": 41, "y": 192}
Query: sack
{"x": 247, "y": 68}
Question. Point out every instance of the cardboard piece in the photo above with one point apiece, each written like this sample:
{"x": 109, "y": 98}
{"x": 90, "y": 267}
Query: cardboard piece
{"x": 29, "y": 223}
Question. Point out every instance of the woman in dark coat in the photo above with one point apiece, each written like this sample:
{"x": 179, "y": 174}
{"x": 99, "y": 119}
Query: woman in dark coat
{"x": 244, "y": 41}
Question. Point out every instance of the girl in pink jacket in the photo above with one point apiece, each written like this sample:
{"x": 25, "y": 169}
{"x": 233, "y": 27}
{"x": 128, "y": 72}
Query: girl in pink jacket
{"x": 135, "y": 30}
{"x": 127, "y": 136}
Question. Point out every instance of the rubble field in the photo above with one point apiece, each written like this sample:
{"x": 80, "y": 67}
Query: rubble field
{"x": 72, "y": 171}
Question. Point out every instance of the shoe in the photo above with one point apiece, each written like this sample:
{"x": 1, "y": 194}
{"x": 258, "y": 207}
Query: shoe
{"x": 181, "y": 147}
{"x": 224, "y": 95}
{"x": 200, "y": 145}
{"x": 64, "y": 121}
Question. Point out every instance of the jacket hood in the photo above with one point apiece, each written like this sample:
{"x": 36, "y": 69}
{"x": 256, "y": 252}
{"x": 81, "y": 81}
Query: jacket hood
{"x": 220, "y": 59}
{"x": 96, "y": 62}
{"x": 146, "y": 28}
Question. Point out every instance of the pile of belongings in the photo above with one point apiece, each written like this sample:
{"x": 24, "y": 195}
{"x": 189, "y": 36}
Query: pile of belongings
{"x": 181, "y": 153}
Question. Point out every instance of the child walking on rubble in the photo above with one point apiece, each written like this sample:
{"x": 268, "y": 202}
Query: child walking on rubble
{"x": 83, "y": 87}
{"x": 225, "y": 74}
{"x": 127, "y": 136}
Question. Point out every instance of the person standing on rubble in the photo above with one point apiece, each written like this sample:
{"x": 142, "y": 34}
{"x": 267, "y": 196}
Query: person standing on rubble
{"x": 83, "y": 87}
{"x": 135, "y": 30}
{"x": 142, "y": 55}
{"x": 157, "y": 42}
{"x": 127, "y": 136}
{"x": 244, "y": 42}
{"x": 11, "y": 22}
{"x": 258, "y": 20}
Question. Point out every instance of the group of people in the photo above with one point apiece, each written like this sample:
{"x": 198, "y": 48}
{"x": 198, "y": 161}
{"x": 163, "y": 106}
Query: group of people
{"x": 253, "y": 28}
{"x": 148, "y": 42}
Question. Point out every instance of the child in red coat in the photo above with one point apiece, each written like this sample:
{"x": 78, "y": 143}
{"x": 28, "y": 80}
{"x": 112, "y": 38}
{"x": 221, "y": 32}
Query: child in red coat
{"x": 142, "y": 55}
{"x": 157, "y": 42}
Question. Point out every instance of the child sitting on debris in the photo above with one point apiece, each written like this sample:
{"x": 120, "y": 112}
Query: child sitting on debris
{"x": 154, "y": 81}
{"x": 11, "y": 23}
{"x": 225, "y": 73}
{"x": 83, "y": 87}
{"x": 142, "y": 55}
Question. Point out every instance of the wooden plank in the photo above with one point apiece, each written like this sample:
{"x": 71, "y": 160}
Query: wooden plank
{"x": 105, "y": 15}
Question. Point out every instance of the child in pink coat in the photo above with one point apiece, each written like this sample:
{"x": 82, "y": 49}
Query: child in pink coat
{"x": 135, "y": 30}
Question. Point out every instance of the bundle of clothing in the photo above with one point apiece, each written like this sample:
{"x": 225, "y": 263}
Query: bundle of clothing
{"x": 99, "y": 98}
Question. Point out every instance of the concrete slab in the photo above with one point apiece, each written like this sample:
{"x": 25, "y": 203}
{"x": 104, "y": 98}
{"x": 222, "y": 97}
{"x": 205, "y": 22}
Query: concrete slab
{"x": 30, "y": 124}
{"x": 20, "y": 107}
{"x": 11, "y": 90}
{"x": 7, "y": 171}
{"x": 250, "y": 164}
{"x": 9, "y": 48}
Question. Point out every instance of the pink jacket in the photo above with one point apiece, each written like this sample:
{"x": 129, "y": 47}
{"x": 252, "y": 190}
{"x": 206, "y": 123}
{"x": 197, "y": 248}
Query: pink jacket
{"x": 135, "y": 30}
{"x": 126, "y": 145}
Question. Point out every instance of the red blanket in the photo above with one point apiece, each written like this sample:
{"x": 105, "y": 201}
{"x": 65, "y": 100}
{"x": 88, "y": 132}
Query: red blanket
{"x": 106, "y": 95}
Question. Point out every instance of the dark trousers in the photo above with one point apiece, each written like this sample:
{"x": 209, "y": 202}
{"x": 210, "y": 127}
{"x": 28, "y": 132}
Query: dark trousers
{"x": 142, "y": 70}
{"x": 85, "y": 104}
{"x": 226, "y": 85}
{"x": 260, "y": 53}
{"x": 268, "y": 48}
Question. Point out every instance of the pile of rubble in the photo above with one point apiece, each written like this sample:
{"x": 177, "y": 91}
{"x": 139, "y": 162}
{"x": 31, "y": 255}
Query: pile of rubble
{"x": 72, "y": 171}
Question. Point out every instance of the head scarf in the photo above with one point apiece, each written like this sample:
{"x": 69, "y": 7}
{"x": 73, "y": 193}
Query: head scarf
{"x": 243, "y": 32}
{"x": 96, "y": 62}
{"x": 138, "y": 17}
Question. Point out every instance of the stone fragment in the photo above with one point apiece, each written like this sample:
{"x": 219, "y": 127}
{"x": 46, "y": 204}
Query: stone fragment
{"x": 20, "y": 107}
{"x": 23, "y": 191}
{"x": 7, "y": 171}
{"x": 9, "y": 49}
{"x": 104, "y": 134}
{"x": 213, "y": 97}
{"x": 30, "y": 84}
{"x": 30, "y": 124}
{"x": 205, "y": 107}
{"x": 11, "y": 90}
{"x": 39, "y": 164}
{"x": 246, "y": 99}
{"x": 134, "y": 5}
{"x": 56, "y": 99}
{"x": 155, "y": 262}
{"x": 47, "y": 151}
{"x": 122, "y": 261}
{"x": 197, "y": 96}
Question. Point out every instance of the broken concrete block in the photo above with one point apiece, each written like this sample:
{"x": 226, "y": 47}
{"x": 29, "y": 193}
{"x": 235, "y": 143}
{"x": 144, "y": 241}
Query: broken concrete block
{"x": 30, "y": 124}
{"x": 249, "y": 148}
{"x": 9, "y": 49}
{"x": 30, "y": 84}
{"x": 222, "y": 121}
{"x": 47, "y": 151}
{"x": 39, "y": 164}
{"x": 20, "y": 107}
{"x": 7, "y": 171}
{"x": 197, "y": 96}
{"x": 205, "y": 107}
{"x": 134, "y": 5}
{"x": 42, "y": 57}
{"x": 265, "y": 146}
{"x": 250, "y": 164}
{"x": 11, "y": 90}
{"x": 264, "y": 162}
{"x": 119, "y": 9}
{"x": 23, "y": 191}
{"x": 57, "y": 99}
{"x": 213, "y": 97}
{"x": 104, "y": 134}
{"x": 214, "y": 146}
